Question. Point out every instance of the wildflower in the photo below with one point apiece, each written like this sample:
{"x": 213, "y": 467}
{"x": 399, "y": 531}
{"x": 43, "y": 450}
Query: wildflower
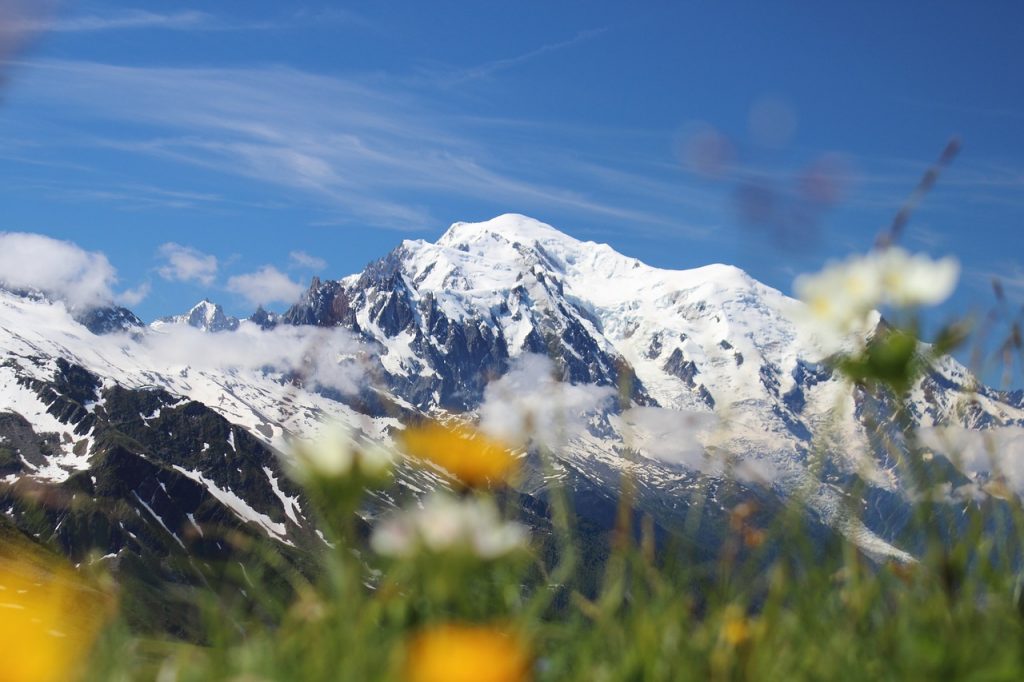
{"x": 530, "y": 406}
{"x": 446, "y": 524}
{"x": 735, "y": 626}
{"x": 842, "y": 293}
{"x": 466, "y": 653}
{"x": 841, "y": 300}
{"x": 916, "y": 280}
{"x": 49, "y": 619}
{"x": 469, "y": 456}
{"x": 336, "y": 456}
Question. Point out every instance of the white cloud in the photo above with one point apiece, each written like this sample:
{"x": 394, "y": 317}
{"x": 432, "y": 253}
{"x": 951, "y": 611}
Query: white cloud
{"x": 529, "y": 405}
{"x": 83, "y": 279}
{"x": 329, "y": 358}
{"x": 186, "y": 264}
{"x": 266, "y": 285}
{"x": 130, "y": 297}
{"x": 301, "y": 259}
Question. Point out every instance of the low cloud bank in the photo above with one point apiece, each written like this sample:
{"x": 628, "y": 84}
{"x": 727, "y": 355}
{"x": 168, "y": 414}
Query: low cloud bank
{"x": 328, "y": 358}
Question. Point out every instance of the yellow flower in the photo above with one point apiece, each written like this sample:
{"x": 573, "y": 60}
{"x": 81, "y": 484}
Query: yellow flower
{"x": 466, "y": 454}
{"x": 466, "y": 653}
{"x": 49, "y": 618}
{"x": 735, "y": 626}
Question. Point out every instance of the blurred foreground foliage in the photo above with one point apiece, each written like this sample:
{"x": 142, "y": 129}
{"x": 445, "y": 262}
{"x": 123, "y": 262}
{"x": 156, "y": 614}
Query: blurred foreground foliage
{"x": 771, "y": 606}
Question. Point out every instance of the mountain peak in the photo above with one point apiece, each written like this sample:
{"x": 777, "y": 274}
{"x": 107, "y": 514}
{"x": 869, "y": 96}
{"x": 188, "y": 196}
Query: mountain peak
{"x": 509, "y": 227}
{"x": 515, "y": 238}
{"x": 205, "y": 315}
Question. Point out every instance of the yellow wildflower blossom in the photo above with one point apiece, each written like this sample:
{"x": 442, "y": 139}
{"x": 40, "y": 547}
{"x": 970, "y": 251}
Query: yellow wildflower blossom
{"x": 466, "y": 454}
{"x": 49, "y": 619}
{"x": 735, "y": 626}
{"x": 466, "y": 653}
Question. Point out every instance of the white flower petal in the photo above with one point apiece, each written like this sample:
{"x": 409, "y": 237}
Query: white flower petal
{"x": 445, "y": 524}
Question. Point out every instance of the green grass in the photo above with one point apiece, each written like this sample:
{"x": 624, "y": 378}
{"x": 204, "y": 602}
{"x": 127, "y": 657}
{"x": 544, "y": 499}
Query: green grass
{"x": 805, "y": 614}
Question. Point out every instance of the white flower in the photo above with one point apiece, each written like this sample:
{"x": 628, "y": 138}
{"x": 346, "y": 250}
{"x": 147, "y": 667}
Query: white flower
{"x": 331, "y": 456}
{"x": 842, "y": 299}
{"x": 916, "y": 280}
{"x": 497, "y": 541}
{"x": 445, "y": 524}
{"x": 842, "y": 293}
{"x": 529, "y": 406}
{"x": 394, "y": 539}
{"x": 335, "y": 455}
{"x": 375, "y": 461}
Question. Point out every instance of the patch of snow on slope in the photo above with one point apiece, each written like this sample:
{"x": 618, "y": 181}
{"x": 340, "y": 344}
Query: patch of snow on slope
{"x": 289, "y": 503}
{"x": 236, "y": 504}
{"x": 16, "y": 398}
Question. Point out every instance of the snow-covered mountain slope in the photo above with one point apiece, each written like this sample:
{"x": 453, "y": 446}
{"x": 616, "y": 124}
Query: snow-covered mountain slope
{"x": 709, "y": 346}
{"x": 157, "y": 449}
{"x": 248, "y": 379}
{"x": 225, "y": 373}
{"x": 696, "y": 382}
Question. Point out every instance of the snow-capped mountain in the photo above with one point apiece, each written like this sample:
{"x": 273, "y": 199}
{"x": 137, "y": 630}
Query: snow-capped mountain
{"x": 205, "y": 315}
{"x": 696, "y": 382}
{"x": 710, "y": 358}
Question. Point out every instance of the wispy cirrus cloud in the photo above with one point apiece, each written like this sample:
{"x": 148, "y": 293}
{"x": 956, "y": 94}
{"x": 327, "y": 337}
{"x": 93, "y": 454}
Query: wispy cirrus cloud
{"x": 1008, "y": 275}
{"x": 459, "y": 76}
{"x": 365, "y": 150}
{"x": 125, "y": 19}
{"x": 362, "y": 147}
{"x": 35, "y": 21}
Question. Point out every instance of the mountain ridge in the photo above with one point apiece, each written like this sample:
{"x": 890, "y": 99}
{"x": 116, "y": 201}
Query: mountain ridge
{"x": 693, "y": 380}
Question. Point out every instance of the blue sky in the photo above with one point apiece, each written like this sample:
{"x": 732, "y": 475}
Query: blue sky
{"x": 768, "y": 135}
